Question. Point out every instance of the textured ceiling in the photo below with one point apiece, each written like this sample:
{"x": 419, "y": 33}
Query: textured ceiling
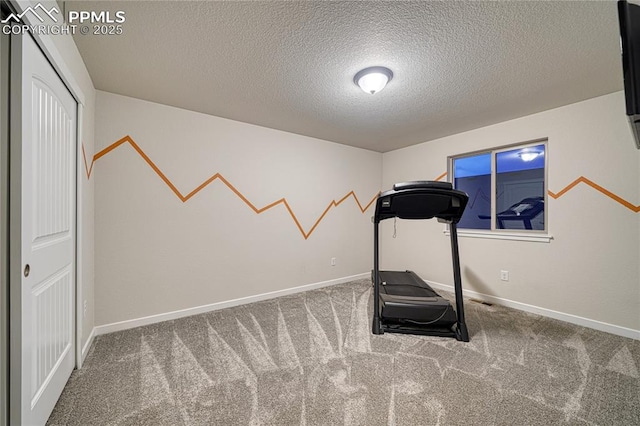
{"x": 290, "y": 65}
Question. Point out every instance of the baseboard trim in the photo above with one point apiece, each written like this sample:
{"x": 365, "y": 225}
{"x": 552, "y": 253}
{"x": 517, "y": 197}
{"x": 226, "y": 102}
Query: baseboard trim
{"x": 573, "y": 319}
{"x": 87, "y": 345}
{"x": 152, "y": 319}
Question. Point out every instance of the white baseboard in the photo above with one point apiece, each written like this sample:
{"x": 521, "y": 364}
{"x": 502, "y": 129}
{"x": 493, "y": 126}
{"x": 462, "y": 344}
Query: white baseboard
{"x": 152, "y": 319}
{"x": 573, "y": 319}
{"x": 87, "y": 345}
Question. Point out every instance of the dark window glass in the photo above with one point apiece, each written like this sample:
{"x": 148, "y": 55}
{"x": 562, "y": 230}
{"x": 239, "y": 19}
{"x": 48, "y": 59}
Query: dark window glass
{"x": 473, "y": 175}
{"x": 520, "y": 188}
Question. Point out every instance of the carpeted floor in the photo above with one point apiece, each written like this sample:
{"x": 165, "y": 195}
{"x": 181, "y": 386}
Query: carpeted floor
{"x": 310, "y": 359}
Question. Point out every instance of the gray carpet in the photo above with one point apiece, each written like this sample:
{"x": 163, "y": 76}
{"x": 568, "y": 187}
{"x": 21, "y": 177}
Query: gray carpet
{"x": 310, "y": 359}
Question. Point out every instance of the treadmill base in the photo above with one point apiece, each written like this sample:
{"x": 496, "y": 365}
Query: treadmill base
{"x": 431, "y": 331}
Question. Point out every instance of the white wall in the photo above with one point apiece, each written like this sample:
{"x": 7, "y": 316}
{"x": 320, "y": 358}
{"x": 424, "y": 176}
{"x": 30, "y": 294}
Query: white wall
{"x": 156, "y": 254}
{"x": 590, "y": 268}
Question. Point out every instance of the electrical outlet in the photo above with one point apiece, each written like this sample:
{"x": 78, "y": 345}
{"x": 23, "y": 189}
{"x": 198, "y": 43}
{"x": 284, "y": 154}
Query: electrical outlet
{"x": 504, "y": 275}
{"x": 333, "y": 261}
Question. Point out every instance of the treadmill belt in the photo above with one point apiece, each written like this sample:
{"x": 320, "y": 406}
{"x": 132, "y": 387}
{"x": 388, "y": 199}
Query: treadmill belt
{"x": 406, "y": 298}
{"x": 405, "y": 283}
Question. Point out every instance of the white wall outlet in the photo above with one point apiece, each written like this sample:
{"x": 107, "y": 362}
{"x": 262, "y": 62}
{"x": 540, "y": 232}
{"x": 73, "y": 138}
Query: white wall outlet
{"x": 504, "y": 275}
{"x": 333, "y": 261}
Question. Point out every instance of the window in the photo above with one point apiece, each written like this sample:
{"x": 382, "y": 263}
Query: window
{"x": 506, "y": 187}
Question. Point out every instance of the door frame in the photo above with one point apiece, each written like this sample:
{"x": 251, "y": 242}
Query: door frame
{"x": 4, "y": 223}
{"x": 57, "y": 61}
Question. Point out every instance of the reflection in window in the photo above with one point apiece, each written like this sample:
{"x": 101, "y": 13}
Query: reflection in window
{"x": 473, "y": 175}
{"x": 518, "y": 178}
{"x": 520, "y": 188}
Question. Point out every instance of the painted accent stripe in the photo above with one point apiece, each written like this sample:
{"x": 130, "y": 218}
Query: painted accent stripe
{"x": 441, "y": 176}
{"x": 283, "y": 201}
{"x": 597, "y": 187}
{"x": 185, "y": 198}
{"x": 86, "y": 166}
{"x": 592, "y": 184}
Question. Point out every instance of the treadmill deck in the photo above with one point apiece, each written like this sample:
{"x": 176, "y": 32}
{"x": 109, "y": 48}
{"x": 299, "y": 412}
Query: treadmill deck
{"x": 406, "y": 299}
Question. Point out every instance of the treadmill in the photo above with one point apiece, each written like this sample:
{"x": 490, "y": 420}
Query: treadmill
{"x": 403, "y": 302}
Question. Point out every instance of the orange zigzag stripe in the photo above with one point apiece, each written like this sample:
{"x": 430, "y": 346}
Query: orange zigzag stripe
{"x": 597, "y": 187}
{"x": 582, "y": 179}
{"x": 283, "y": 201}
{"x": 185, "y": 198}
{"x": 441, "y": 176}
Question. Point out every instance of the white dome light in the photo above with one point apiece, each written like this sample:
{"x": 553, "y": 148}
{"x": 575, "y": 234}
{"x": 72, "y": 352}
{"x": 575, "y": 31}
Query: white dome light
{"x": 373, "y": 79}
{"x": 529, "y": 154}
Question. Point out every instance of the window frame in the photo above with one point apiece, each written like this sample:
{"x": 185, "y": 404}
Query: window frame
{"x": 540, "y": 235}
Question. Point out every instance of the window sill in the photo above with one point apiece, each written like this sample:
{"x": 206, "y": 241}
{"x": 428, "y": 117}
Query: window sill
{"x": 496, "y": 235}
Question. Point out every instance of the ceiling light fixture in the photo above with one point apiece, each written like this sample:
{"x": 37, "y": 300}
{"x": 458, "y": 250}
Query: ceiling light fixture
{"x": 529, "y": 155}
{"x": 373, "y": 79}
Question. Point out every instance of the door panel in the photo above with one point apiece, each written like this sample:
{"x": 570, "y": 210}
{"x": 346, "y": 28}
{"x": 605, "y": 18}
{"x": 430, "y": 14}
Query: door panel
{"x": 52, "y": 149}
{"x": 47, "y": 303}
{"x": 51, "y": 328}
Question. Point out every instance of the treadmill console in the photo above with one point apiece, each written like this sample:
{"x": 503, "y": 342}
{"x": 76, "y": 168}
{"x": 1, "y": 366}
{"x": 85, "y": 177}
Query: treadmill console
{"x": 421, "y": 200}
{"x": 422, "y": 184}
